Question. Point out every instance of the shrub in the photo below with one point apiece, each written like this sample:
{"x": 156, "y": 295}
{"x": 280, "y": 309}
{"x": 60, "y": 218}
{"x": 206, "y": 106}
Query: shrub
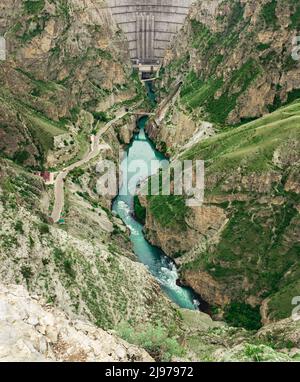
{"x": 69, "y": 269}
{"x": 139, "y": 210}
{"x": 58, "y": 255}
{"x": 26, "y": 272}
{"x": 34, "y": 6}
{"x": 254, "y": 352}
{"x": 21, "y": 156}
{"x": 43, "y": 228}
{"x": 101, "y": 116}
{"x": 156, "y": 340}
{"x": 76, "y": 174}
{"x": 269, "y": 13}
{"x": 240, "y": 314}
{"x": 19, "y": 226}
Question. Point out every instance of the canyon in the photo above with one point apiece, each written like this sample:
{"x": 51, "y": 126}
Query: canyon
{"x": 72, "y": 287}
{"x": 241, "y": 247}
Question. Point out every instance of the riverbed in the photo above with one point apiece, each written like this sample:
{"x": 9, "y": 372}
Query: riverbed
{"x": 160, "y": 266}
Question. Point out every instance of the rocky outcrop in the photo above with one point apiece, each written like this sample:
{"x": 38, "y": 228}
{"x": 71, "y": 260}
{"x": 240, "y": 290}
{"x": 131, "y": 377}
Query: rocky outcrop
{"x": 61, "y": 59}
{"x": 234, "y": 60}
{"x": 86, "y": 266}
{"x": 233, "y": 64}
{"x": 242, "y": 244}
{"x": 32, "y": 331}
{"x": 211, "y": 341}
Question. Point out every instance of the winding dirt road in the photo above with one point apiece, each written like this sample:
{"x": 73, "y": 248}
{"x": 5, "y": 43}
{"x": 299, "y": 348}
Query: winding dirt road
{"x": 93, "y": 152}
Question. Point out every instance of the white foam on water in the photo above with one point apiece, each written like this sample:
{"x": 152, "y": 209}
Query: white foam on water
{"x": 124, "y": 206}
{"x": 126, "y": 209}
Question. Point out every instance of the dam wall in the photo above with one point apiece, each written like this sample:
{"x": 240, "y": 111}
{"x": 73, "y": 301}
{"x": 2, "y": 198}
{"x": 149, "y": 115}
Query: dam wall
{"x": 149, "y": 25}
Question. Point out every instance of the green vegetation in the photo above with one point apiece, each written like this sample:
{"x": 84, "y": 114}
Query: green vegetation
{"x": 243, "y": 315}
{"x": 34, "y": 6}
{"x": 43, "y": 228}
{"x": 64, "y": 261}
{"x": 268, "y": 14}
{"x": 41, "y": 87}
{"x": 253, "y": 245}
{"x": 26, "y": 273}
{"x": 253, "y": 143}
{"x": 199, "y": 94}
{"x": 76, "y": 173}
{"x": 21, "y": 156}
{"x": 254, "y": 352}
{"x": 19, "y": 227}
{"x": 262, "y": 47}
{"x": 295, "y": 17}
{"x": 155, "y": 339}
{"x": 29, "y": 35}
{"x": 69, "y": 268}
{"x": 101, "y": 116}
{"x": 195, "y": 92}
{"x": 139, "y": 210}
{"x": 169, "y": 211}
{"x": 280, "y": 304}
{"x": 43, "y": 129}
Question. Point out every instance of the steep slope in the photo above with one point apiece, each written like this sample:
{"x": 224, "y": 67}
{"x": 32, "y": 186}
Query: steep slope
{"x": 241, "y": 249}
{"x": 62, "y": 57}
{"x": 243, "y": 244}
{"x": 234, "y": 59}
{"x": 67, "y": 73}
{"x": 31, "y": 331}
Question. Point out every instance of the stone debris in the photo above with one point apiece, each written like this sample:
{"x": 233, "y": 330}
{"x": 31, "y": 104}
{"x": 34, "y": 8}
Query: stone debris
{"x": 33, "y": 332}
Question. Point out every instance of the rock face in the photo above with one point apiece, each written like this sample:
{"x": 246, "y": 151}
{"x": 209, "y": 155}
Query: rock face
{"x": 242, "y": 244}
{"x": 243, "y": 255}
{"x": 208, "y": 341}
{"x": 235, "y": 60}
{"x": 61, "y": 59}
{"x": 85, "y": 267}
{"x": 67, "y": 73}
{"x": 31, "y": 331}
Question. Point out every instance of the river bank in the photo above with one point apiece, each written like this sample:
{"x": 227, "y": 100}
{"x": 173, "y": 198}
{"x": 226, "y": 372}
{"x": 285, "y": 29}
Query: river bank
{"x": 160, "y": 266}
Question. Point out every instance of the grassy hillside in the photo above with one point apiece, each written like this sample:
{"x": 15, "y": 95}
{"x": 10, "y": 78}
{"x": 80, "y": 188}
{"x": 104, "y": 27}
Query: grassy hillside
{"x": 235, "y": 62}
{"x": 252, "y": 174}
{"x": 253, "y": 143}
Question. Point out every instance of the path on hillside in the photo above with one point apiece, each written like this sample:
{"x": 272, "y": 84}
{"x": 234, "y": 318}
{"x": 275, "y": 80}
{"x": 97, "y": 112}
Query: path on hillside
{"x": 93, "y": 152}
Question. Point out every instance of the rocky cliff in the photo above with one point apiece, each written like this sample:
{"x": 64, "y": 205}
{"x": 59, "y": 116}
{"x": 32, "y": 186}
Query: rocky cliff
{"x": 243, "y": 243}
{"x": 62, "y": 57}
{"x": 67, "y": 73}
{"x": 33, "y": 331}
{"x": 241, "y": 248}
{"x": 235, "y": 61}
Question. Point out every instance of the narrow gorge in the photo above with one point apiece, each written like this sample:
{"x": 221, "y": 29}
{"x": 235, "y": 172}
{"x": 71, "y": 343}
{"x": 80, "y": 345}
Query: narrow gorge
{"x": 126, "y": 275}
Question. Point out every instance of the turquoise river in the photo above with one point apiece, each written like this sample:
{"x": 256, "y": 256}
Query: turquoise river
{"x": 161, "y": 267}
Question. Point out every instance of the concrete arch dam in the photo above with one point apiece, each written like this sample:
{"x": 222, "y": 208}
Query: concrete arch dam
{"x": 149, "y": 25}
